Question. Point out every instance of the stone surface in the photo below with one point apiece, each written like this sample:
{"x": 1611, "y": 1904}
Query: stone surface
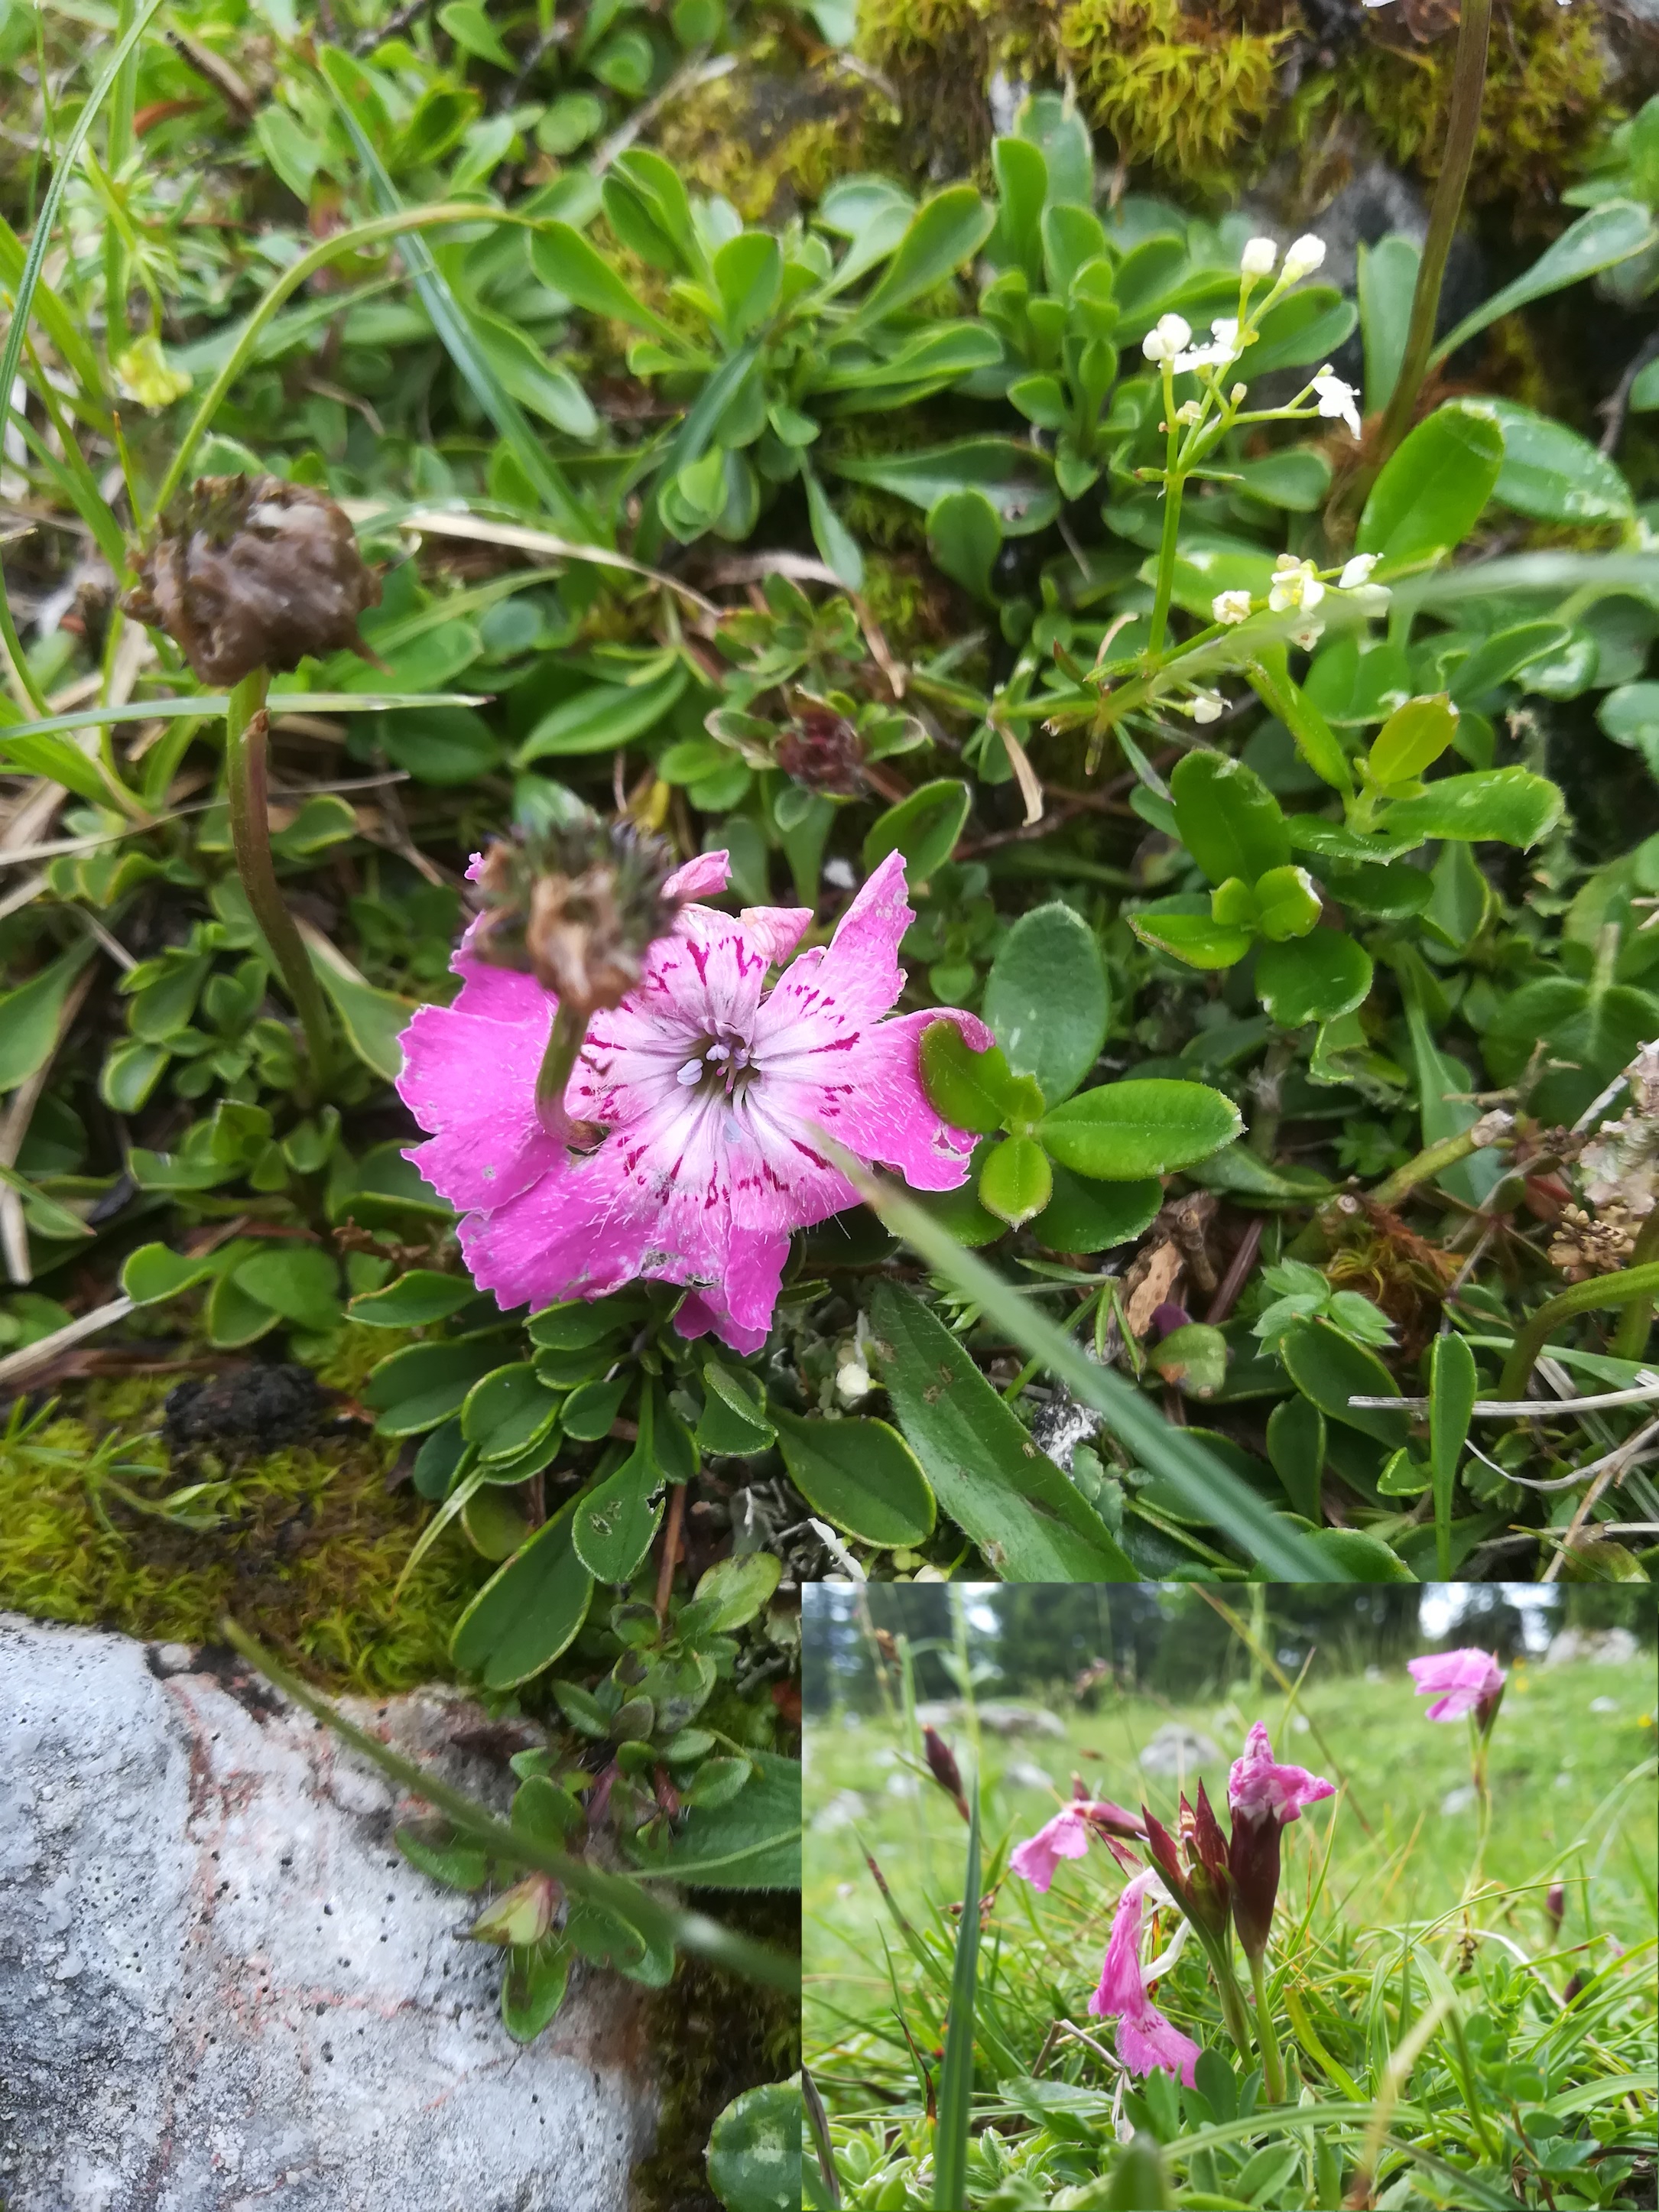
{"x": 1178, "y": 1750}
{"x": 221, "y": 1986}
{"x": 998, "y": 1718}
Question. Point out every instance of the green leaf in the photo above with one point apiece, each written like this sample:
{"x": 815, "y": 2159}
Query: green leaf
{"x": 1296, "y": 1445}
{"x": 834, "y": 540}
{"x": 1453, "y": 1388}
{"x": 57, "y": 759}
{"x": 421, "y": 1296}
{"x": 1432, "y": 488}
{"x": 751, "y": 1842}
{"x": 1084, "y": 1216}
{"x": 1017, "y": 479}
{"x": 956, "y": 2077}
{"x": 1027, "y": 1517}
{"x": 1360, "y": 1558}
{"x": 507, "y": 1411}
{"x": 754, "y": 2151}
{"x": 373, "y": 1020}
{"x": 737, "y": 1588}
{"x": 1297, "y": 479}
{"x": 235, "y": 1317}
{"x": 415, "y": 1388}
{"x": 1553, "y": 474}
{"x": 527, "y": 1613}
{"x": 615, "y": 1520}
{"x": 473, "y": 31}
{"x": 943, "y": 232}
{"x": 593, "y": 1407}
{"x": 1313, "y": 978}
{"x": 1228, "y": 820}
{"x": 1498, "y": 658}
{"x": 1609, "y": 233}
{"x": 1047, "y": 1000}
{"x": 964, "y": 537}
{"x": 1629, "y": 716}
{"x": 1287, "y": 903}
{"x": 1123, "y": 1131}
{"x": 860, "y": 1476}
{"x": 749, "y": 271}
{"x": 536, "y": 383}
{"x": 567, "y": 263}
{"x": 153, "y": 1273}
{"x": 602, "y": 717}
{"x": 1510, "y": 806}
{"x": 1330, "y": 1369}
{"x": 1386, "y": 279}
{"x": 1016, "y": 1181}
{"x": 1171, "y": 926}
{"x": 45, "y": 1215}
{"x": 1593, "y": 1029}
{"x": 924, "y": 827}
{"x": 30, "y": 1016}
{"x": 1273, "y": 683}
{"x": 300, "y": 1282}
{"x": 1306, "y": 326}
{"x": 1413, "y": 739}
{"x": 533, "y": 1987}
{"x": 974, "y": 1090}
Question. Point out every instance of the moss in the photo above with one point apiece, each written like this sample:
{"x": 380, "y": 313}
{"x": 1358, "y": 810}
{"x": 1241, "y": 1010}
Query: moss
{"x": 1547, "y": 97}
{"x": 907, "y": 599}
{"x": 1179, "y": 91}
{"x": 305, "y": 1548}
{"x": 772, "y": 138}
{"x": 714, "y": 2036}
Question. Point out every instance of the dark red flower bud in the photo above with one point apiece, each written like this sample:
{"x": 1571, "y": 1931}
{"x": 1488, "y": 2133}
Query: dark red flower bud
{"x": 1555, "y": 1905}
{"x": 822, "y": 750}
{"x": 942, "y": 1766}
{"x": 1486, "y": 1711}
{"x": 1166, "y": 1319}
{"x": 1253, "y": 1866}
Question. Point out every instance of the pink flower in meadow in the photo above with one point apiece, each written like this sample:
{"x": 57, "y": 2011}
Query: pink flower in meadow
{"x": 1146, "y": 2041}
{"x": 1265, "y": 1798}
{"x": 1066, "y": 1837}
{"x": 1459, "y": 1682}
{"x": 711, "y": 1093}
{"x": 1257, "y": 1786}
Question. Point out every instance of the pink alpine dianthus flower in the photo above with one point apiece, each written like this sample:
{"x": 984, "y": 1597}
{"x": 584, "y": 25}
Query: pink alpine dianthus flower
{"x": 711, "y": 1093}
{"x": 1459, "y": 1682}
{"x": 1265, "y": 1797}
{"x": 1146, "y": 2041}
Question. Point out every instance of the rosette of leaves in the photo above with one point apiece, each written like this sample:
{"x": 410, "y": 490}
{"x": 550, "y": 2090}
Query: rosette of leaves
{"x": 770, "y": 336}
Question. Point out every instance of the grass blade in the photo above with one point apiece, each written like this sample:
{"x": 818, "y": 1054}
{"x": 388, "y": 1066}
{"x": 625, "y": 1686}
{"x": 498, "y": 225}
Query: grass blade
{"x": 9, "y": 359}
{"x": 1202, "y": 1481}
{"x": 449, "y": 320}
{"x": 955, "y": 2079}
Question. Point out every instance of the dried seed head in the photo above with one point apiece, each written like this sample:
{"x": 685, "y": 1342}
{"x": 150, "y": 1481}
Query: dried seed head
{"x": 822, "y": 750}
{"x": 578, "y": 908}
{"x": 251, "y": 572}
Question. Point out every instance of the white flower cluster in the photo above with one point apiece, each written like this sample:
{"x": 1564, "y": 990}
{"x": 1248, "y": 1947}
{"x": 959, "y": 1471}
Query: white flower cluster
{"x": 1295, "y": 585}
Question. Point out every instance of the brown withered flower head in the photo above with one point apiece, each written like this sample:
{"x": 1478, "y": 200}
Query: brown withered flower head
{"x": 822, "y": 750}
{"x": 251, "y": 572}
{"x": 578, "y": 908}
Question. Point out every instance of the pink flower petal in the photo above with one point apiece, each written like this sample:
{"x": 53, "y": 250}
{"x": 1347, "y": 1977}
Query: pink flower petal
{"x": 704, "y": 878}
{"x": 1150, "y": 2044}
{"x": 472, "y": 1082}
{"x": 1257, "y": 1787}
{"x": 1457, "y": 1681}
{"x": 1065, "y": 1836}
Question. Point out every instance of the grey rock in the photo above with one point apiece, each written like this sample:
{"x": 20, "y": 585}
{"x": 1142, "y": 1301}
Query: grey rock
{"x": 1601, "y": 1647}
{"x": 999, "y": 1717}
{"x": 1177, "y": 1750}
{"x": 1025, "y": 1774}
{"x": 221, "y": 1985}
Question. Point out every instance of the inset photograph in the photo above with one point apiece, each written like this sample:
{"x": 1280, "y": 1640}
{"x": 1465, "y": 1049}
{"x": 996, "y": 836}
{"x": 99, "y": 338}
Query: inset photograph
{"x": 1277, "y": 1895}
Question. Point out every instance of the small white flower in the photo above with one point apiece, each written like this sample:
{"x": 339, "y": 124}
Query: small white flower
{"x": 1231, "y": 607}
{"x": 1356, "y": 572}
{"x": 1337, "y": 400}
{"x": 1302, "y": 257}
{"x": 1190, "y": 411}
{"x": 1224, "y": 347}
{"x": 1309, "y": 635}
{"x": 1167, "y": 338}
{"x": 1206, "y": 706}
{"x": 1258, "y": 257}
{"x": 853, "y": 1381}
{"x": 1294, "y": 585}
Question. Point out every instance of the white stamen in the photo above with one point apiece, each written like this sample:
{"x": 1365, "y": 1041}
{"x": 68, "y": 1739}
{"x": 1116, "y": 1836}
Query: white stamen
{"x": 691, "y": 1073}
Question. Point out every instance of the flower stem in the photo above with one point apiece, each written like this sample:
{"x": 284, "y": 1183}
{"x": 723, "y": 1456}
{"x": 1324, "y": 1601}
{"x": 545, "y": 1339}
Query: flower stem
{"x": 1483, "y": 1797}
{"x": 1164, "y": 589}
{"x": 558, "y": 1062}
{"x": 1462, "y": 125}
{"x": 246, "y": 730}
{"x": 1631, "y": 1337}
{"x": 1272, "y": 2066}
{"x": 1232, "y": 1997}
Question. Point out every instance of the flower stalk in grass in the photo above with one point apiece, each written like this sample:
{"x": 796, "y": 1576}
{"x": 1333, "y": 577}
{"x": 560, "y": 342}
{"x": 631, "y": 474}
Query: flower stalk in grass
{"x": 1462, "y": 1682}
{"x": 1265, "y": 1797}
{"x": 249, "y": 576}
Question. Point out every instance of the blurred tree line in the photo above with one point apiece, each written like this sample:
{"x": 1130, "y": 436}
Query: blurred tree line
{"x": 1079, "y": 1640}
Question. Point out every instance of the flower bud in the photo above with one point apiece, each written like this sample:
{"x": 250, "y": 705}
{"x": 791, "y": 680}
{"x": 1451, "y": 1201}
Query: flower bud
{"x": 253, "y": 572}
{"x": 578, "y": 907}
{"x": 1258, "y": 257}
{"x": 1169, "y": 336}
{"x": 1302, "y": 257}
{"x": 521, "y": 1915}
{"x": 822, "y": 750}
{"x": 942, "y": 1766}
{"x": 1555, "y": 1905}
